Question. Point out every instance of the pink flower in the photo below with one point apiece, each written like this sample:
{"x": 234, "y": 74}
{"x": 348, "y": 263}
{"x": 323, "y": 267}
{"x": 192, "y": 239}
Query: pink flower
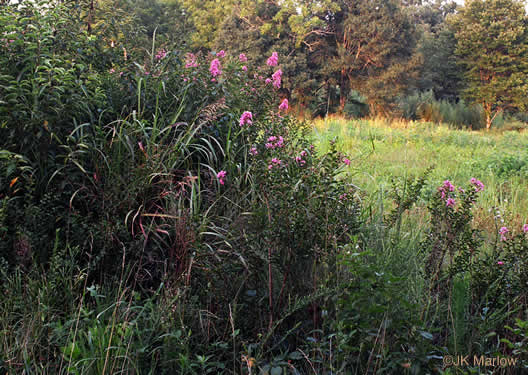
{"x": 479, "y": 186}
{"x": 242, "y": 57}
{"x": 273, "y": 60}
{"x": 246, "y": 118}
{"x": 300, "y": 160}
{"x": 284, "y": 105}
{"x": 253, "y": 151}
{"x": 161, "y": 54}
{"x": 275, "y": 142}
{"x": 277, "y": 78}
{"x": 221, "y": 175}
{"x": 221, "y": 53}
{"x": 525, "y": 228}
{"x": 448, "y": 185}
{"x": 503, "y": 232}
{"x": 244, "y": 68}
{"x": 450, "y": 202}
{"x": 268, "y": 81}
{"x": 346, "y": 161}
{"x": 215, "y": 68}
{"x": 190, "y": 61}
{"x": 111, "y": 71}
{"x": 500, "y": 263}
{"x": 274, "y": 162}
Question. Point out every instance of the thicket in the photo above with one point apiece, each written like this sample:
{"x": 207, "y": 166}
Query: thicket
{"x": 367, "y": 57}
{"x": 162, "y": 213}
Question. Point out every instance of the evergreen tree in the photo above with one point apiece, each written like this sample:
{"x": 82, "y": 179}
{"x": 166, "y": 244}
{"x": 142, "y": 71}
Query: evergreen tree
{"x": 492, "y": 46}
{"x": 440, "y": 71}
{"x": 375, "y": 51}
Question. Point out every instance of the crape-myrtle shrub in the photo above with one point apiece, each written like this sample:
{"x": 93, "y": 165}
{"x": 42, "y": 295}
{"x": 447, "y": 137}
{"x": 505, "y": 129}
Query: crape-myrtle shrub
{"x": 180, "y": 168}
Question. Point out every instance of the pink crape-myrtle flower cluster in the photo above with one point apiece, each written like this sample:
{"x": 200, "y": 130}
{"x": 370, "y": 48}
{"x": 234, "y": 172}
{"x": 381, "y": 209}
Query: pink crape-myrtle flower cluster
{"x": 503, "y": 232}
{"x": 244, "y": 68}
{"x": 242, "y": 57}
{"x": 299, "y": 159}
{"x": 221, "y": 53}
{"x": 346, "y": 161}
{"x": 275, "y": 142}
{"x": 221, "y": 175}
{"x": 215, "y": 68}
{"x": 446, "y": 187}
{"x": 268, "y": 81}
{"x": 273, "y": 60}
{"x": 253, "y": 151}
{"x": 190, "y": 61}
{"x": 479, "y": 186}
{"x": 246, "y": 118}
{"x": 277, "y": 79}
{"x": 284, "y": 105}
{"x": 161, "y": 54}
{"x": 274, "y": 162}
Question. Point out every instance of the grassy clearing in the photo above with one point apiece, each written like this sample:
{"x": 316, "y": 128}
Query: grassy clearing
{"x": 390, "y": 150}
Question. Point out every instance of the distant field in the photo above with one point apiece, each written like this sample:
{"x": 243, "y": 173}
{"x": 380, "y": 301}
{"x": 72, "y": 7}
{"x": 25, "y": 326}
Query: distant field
{"x": 381, "y": 151}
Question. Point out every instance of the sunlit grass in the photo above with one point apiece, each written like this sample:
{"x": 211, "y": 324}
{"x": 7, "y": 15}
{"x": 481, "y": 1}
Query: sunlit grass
{"x": 384, "y": 150}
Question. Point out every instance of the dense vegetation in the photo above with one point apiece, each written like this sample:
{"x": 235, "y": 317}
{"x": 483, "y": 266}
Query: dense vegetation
{"x": 164, "y": 212}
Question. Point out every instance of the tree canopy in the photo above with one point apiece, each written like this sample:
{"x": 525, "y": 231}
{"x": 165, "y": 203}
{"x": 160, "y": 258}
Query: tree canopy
{"x": 492, "y": 46}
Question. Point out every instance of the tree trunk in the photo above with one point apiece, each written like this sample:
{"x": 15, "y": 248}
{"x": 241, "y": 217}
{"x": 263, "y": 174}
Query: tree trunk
{"x": 342, "y": 91}
{"x": 487, "y": 111}
{"x": 489, "y": 120}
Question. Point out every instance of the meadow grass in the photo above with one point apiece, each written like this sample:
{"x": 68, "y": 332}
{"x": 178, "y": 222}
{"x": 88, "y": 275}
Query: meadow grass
{"x": 383, "y": 150}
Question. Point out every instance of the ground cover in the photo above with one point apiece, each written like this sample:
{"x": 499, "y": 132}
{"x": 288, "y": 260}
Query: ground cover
{"x": 386, "y": 150}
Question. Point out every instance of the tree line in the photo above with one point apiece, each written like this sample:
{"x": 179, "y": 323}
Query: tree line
{"x": 354, "y": 57}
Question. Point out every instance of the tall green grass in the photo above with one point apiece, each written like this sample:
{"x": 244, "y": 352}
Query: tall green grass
{"x": 387, "y": 150}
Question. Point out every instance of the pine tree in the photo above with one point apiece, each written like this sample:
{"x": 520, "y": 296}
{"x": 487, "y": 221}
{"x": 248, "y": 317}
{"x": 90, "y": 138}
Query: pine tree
{"x": 375, "y": 51}
{"x": 492, "y": 46}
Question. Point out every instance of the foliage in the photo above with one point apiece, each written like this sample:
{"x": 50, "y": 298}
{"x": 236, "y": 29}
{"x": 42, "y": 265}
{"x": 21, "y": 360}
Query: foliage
{"x": 423, "y": 106}
{"x": 492, "y": 46}
{"x": 440, "y": 71}
{"x": 161, "y": 212}
{"x": 373, "y": 52}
